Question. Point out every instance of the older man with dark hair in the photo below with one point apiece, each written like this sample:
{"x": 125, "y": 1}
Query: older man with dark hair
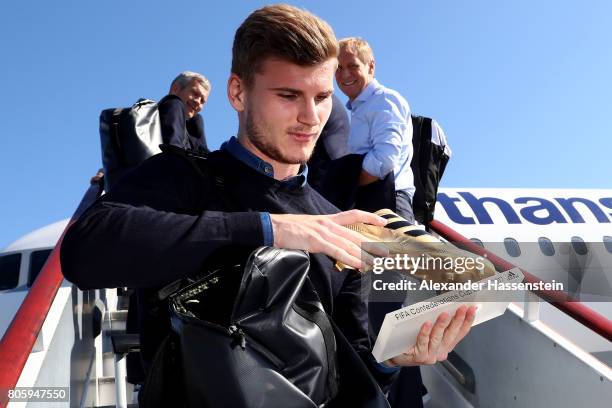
{"x": 181, "y": 125}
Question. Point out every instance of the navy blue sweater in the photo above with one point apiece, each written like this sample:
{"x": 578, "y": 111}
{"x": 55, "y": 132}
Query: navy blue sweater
{"x": 164, "y": 219}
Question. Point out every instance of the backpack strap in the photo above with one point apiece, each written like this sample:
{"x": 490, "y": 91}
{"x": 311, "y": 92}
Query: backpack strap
{"x": 419, "y": 139}
{"x": 207, "y": 168}
{"x": 115, "y": 131}
{"x": 195, "y": 161}
{"x": 204, "y": 167}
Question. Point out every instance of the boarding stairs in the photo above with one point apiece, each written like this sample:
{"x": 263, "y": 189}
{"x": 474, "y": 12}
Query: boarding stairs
{"x": 64, "y": 337}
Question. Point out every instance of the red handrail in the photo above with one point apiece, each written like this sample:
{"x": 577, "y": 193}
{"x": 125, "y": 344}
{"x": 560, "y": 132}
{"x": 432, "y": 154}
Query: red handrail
{"x": 18, "y": 340}
{"x": 579, "y": 312}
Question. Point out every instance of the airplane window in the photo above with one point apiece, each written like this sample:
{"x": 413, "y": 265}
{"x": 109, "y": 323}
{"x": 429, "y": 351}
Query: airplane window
{"x": 9, "y": 271}
{"x": 477, "y": 242}
{"x": 37, "y": 261}
{"x": 512, "y": 247}
{"x": 579, "y": 246}
{"x": 607, "y": 240}
{"x": 546, "y": 246}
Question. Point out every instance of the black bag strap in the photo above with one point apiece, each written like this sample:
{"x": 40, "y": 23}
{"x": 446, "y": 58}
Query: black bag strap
{"x": 115, "y": 134}
{"x": 206, "y": 168}
{"x": 421, "y": 138}
{"x": 311, "y": 311}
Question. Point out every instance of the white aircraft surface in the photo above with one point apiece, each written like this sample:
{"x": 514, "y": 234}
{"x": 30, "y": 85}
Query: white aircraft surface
{"x": 534, "y": 355}
{"x": 20, "y": 264}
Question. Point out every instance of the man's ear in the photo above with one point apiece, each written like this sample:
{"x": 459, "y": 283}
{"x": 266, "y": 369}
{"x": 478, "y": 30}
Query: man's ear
{"x": 236, "y": 92}
{"x": 175, "y": 88}
{"x": 371, "y": 67}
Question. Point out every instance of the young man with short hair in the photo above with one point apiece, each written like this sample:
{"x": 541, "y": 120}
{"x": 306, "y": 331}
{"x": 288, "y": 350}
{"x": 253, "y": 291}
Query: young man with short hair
{"x": 162, "y": 222}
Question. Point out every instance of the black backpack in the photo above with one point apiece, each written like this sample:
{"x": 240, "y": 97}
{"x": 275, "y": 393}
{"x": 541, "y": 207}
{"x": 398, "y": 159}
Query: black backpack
{"x": 128, "y": 136}
{"x": 428, "y": 163}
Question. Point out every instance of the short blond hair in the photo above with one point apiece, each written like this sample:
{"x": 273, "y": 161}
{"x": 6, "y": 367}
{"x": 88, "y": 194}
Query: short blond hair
{"x": 359, "y": 47}
{"x": 284, "y": 32}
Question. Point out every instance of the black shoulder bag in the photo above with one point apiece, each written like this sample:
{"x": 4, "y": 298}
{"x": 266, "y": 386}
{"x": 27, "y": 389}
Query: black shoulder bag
{"x": 255, "y": 335}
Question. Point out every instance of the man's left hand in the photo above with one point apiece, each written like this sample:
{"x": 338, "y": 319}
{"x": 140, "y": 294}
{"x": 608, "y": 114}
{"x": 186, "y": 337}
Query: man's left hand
{"x": 434, "y": 342}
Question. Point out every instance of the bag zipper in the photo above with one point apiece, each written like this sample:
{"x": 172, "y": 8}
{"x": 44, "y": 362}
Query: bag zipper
{"x": 241, "y": 338}
{"x": 237, "y": 334}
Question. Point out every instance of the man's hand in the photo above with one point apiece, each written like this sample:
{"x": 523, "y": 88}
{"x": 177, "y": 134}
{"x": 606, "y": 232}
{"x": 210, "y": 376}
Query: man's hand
{"x": 324, "y": 234}
{"x": 434, "y": 343}
{"x": 97, "y": 178}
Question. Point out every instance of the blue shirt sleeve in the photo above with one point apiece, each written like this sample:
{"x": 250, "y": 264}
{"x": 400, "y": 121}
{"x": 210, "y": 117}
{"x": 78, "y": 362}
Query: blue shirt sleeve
{"x": 389, "y": 132}
{"x": 385, "y": 369}
{"x": 268, "y": 232}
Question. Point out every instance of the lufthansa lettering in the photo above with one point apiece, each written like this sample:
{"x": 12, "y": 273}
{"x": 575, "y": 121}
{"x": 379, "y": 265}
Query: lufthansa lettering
{"x": 533, "y": 210}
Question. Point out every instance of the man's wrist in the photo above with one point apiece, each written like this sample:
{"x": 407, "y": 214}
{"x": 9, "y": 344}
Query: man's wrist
{"x": 388, "y": 367}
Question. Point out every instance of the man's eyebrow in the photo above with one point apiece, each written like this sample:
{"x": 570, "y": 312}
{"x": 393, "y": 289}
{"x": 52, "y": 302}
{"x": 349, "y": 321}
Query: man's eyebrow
{"x": 284, "y": 89}
{"x": 297, "y": 91}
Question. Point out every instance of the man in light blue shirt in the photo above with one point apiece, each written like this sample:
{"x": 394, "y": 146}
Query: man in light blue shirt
{"x": 381, "y": 128}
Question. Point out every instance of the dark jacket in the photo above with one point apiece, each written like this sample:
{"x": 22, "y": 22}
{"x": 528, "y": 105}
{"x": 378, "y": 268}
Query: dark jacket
{"x": 163, "y": 221}
{"x": 187, "y": 134}
{"x": 340, "y": 186}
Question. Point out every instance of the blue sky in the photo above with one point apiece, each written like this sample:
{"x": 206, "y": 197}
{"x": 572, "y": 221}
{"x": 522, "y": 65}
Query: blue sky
{"x": 522, "y": 89}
